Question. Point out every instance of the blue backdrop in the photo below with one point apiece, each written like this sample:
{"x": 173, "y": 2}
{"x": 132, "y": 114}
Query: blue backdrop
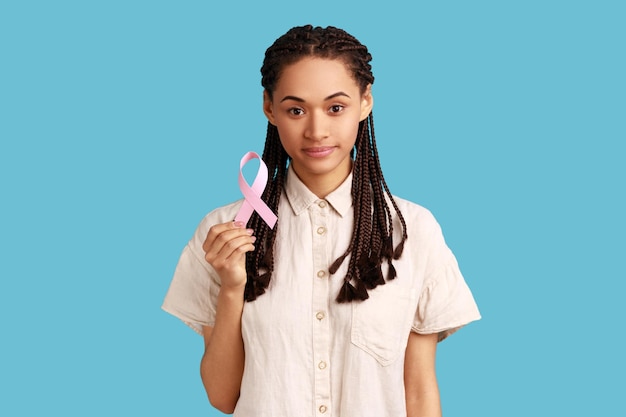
{"x": 122, "y": 123}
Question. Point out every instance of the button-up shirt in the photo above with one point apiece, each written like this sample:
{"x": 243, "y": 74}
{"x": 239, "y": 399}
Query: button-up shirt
{"x": 306, "y": 354}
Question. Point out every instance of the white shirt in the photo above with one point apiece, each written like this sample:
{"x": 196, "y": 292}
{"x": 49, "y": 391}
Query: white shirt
{"x": 306, "y": 354}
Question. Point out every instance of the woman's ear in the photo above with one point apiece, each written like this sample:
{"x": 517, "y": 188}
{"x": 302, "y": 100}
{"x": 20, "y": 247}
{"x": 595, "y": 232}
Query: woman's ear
{"x": 267, "y": 107}
{"x": 367, "y": 102}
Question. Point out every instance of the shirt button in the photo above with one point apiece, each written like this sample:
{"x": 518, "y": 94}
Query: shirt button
{"x": 321, "y": 230}
{"x": 322, "y": 204}
{"x": 321, "y": 274}
{"x": 321, "y": 365}
{"x": 323, "y": 409}
{"x": 320, "y": 315}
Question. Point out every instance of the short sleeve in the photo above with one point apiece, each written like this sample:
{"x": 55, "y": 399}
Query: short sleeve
{"x": 445, "y": 302}
{"x": 192, "y": 294}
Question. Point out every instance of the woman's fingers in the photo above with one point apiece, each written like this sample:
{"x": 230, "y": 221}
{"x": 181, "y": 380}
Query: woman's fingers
{"x": 235, "y": 249}
{"x": 226, "y": 245}
{"x": 217, "y": 230}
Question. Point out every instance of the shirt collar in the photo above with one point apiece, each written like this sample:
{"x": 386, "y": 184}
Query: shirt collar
{"x": 300, "y": 197}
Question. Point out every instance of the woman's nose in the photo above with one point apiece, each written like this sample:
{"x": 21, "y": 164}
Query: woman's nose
{"x": 317, "y": 127}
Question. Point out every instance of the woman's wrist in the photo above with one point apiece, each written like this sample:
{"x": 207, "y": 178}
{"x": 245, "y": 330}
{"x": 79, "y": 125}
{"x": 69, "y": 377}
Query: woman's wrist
{"x": 230, "y": 299}
{"x": 233, "y": 291}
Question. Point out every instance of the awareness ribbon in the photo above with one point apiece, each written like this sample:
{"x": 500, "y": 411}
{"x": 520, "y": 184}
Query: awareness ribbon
{"x": 252, "y": 194}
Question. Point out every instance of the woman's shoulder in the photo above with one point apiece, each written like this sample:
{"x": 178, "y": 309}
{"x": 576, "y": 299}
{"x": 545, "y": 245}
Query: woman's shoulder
{"x": 413, "y": 212}
{"x": 425, "y": 235}
{"x": 219, "y": 215}
{"x": 421, "y": 224}
{"x": 225, "y": 212}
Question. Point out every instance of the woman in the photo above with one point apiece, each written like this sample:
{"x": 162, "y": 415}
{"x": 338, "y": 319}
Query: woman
{"x": 338, "y": 309}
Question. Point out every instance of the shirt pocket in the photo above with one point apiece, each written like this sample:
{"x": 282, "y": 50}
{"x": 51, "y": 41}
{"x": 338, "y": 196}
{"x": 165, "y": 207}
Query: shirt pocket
{"x": 382, "y": 323}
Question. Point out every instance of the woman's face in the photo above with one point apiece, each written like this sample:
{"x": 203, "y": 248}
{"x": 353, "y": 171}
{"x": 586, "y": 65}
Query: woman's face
{"x": 317, "y": 107}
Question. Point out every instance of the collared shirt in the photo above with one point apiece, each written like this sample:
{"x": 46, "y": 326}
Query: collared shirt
{"x": 306, "y": 354}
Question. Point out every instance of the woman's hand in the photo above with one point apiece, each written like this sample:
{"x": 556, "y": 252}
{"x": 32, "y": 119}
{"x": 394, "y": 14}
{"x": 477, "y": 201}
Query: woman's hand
{"x": 225, "y": 246}
{"x": 222, "y": 365}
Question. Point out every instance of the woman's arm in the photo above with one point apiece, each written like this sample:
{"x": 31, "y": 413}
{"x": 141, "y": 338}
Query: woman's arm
{"x": 221, "y": 367}
{"x": 222, "y": 364}
{"x": 420, "y": 379}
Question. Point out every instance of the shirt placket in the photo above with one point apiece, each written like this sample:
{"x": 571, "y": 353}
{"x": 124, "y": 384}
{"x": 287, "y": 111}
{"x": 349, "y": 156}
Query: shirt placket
{"x": 319, "y": 314}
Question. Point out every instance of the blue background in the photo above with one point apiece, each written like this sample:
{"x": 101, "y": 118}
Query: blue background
{"x": 122, "y": 124}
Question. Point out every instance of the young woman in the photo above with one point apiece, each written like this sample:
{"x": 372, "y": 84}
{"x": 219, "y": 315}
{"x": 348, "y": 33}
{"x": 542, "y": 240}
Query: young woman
{"x": 338, "y": 309}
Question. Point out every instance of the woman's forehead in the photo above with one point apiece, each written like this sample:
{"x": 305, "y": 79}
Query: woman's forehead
{"x": 320, "y": 77}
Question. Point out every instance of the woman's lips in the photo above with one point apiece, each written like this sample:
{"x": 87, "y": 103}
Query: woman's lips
{"x": 319, "y": 152}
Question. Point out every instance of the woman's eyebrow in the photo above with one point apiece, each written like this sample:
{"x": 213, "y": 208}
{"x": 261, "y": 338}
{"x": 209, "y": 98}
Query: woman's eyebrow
{"x": 294, "y": 98}
{"x": 301, "y": 100}
{"x": 337, "y": 94}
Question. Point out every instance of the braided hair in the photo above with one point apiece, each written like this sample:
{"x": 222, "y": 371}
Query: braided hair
{"x": 371, "y": 243}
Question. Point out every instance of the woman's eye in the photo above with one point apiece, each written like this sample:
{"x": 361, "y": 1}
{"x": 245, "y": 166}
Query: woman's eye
{"x": 336, "y": 108}
{"x": 295, "y": 111}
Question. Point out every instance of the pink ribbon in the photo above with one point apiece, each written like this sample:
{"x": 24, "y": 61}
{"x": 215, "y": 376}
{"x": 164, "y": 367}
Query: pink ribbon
{"x": 253, "y": 194}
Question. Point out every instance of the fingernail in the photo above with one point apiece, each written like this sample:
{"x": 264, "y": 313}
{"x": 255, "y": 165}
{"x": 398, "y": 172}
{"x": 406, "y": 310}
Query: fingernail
{"x": 249, "y": 231}
{"x": 253, "y": 239}
{"x": 239, "y": 224}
